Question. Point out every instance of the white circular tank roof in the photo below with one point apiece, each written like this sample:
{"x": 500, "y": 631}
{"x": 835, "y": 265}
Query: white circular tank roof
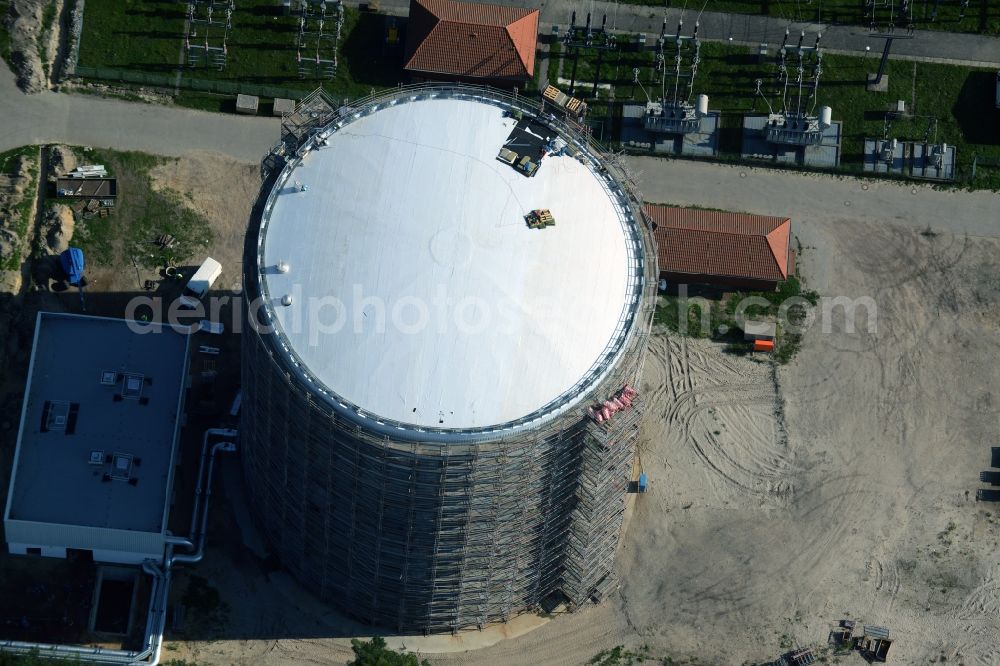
{"x": 418, "y": 292}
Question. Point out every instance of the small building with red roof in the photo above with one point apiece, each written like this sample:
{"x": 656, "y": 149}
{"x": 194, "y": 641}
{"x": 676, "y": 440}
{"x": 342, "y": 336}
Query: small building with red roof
{"x": 471, "y": 42}
{"x": 722, "y": 249}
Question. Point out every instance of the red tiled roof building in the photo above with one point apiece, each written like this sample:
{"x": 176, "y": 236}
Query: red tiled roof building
{"x": 720, "y": 248}
{"x": 466, "y": 41}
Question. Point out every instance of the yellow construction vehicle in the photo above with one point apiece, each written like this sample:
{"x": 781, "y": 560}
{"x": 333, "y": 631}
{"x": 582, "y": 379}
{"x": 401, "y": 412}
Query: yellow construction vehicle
{"x": 539, "y": 218}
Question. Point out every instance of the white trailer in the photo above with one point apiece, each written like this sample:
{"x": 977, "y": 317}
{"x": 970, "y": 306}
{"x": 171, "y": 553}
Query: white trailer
{"x": 201, "y": 282}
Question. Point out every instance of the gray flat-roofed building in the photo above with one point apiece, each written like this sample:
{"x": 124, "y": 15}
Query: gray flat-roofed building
{"x": 247, "y": 104}
{"x": 94, "y": 463}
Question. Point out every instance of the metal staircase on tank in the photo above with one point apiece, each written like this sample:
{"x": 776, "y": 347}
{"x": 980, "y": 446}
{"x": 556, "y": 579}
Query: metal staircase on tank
{"x": 597, "y": 520}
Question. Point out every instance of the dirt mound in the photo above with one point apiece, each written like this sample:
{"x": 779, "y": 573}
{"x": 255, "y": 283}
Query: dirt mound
{"x": 24, "y": 23}
{"x": 14, "y": 190}
{"x": 91, "y": 88}
{"x": 8, "y": 242}
{"x": 62, "y": 160}
{"x": 58, "y": 228}
{"x": 21, "y": 178}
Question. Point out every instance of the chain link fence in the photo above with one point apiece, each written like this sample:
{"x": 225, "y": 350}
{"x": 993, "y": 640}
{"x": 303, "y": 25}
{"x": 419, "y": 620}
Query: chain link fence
{"x": 171, "y": 82}
{"x": 604, "y": 129}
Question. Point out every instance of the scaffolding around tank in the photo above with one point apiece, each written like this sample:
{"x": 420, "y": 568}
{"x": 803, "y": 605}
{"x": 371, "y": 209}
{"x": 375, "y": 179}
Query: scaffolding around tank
{"x": 435, "y": 529}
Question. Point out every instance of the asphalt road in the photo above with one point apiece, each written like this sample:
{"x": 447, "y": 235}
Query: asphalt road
{"x": 86, "y": 120}
{"x": 165, "y": 130}
{"x": 816, "y": 198}
{"x": 935, "y": 46}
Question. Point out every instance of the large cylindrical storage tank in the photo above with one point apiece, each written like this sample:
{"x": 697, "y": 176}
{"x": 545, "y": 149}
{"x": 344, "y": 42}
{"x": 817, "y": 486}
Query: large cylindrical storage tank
{"x": 436, "y": 322}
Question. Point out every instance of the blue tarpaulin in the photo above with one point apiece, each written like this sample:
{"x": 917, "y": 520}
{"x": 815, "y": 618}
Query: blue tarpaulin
{"x": 72, "y": 263}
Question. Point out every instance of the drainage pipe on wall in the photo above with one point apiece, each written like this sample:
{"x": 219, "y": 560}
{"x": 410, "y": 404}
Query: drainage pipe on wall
{"x": 156, "y": 619}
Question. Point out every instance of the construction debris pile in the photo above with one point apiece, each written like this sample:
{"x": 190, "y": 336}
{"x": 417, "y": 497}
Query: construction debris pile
{"x": 23, "y": 23}
{"x": 93, "y": 191}
{"x": 873, "y": 643}
{"x": 13, "y": 189}
{"x": 58, "y": 224}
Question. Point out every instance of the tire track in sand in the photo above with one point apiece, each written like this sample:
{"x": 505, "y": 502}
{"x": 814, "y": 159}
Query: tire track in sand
{"x": 727, "y": 412}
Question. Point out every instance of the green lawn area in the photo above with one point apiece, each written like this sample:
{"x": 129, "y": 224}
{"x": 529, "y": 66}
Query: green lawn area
{"x": 715, "y": 317}
{"x": 982, "y": 16}
{"x": 961, "y": 98}
{"x": 48, "y": 18}
{"x": 616, "y": 67}
{"x": 555, "y": 60}
{"x": 145, "y": 36}
{"x": 140, "y": 215}
{"x": 132, "y": 34}
{"x": 4, "y": 34}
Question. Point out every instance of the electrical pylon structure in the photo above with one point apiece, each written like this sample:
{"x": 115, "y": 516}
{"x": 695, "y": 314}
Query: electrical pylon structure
{"x": 207, "y": 31}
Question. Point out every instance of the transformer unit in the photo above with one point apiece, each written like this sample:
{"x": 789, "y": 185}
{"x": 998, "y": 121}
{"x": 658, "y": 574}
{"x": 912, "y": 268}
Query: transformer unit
{"x": 675, "y": 118}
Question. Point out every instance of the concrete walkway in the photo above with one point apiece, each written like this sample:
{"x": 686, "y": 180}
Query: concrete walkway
{"x": 927, "y": 45}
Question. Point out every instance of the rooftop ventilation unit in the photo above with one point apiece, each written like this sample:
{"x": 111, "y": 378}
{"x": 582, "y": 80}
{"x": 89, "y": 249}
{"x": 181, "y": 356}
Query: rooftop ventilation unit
{"x": 121, "y": 466}
{"x": 132, "y": 388}
{"x": 109, "y": 378}
{"x": 55, "y": 415}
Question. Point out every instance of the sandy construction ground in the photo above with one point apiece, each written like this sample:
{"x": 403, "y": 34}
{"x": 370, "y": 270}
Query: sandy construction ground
{"x": 782, "y": 499}
{"x": 223, "y": 191}
{"x": 841, "y": 486}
